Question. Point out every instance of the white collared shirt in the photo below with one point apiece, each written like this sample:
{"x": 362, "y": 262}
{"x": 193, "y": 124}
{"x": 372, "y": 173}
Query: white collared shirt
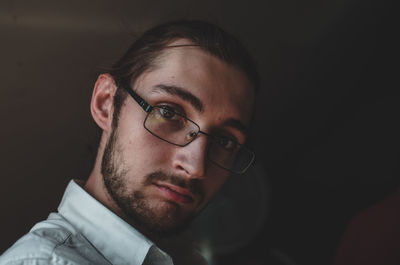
{"x": 83, "y": 232}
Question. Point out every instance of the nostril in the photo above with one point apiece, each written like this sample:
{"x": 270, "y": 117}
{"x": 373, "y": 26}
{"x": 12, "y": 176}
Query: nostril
{"x": 179, "y": 167}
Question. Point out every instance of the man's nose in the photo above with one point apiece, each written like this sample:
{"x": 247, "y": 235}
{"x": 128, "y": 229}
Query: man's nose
{"x": 191, "y": 160}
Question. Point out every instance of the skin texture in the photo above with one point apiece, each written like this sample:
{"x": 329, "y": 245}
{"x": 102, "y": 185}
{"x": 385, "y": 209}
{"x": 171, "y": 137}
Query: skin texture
{"x": 153, "y": 185}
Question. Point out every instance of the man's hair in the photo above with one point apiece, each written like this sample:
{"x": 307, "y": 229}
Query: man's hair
{"x": 143, "y": 54}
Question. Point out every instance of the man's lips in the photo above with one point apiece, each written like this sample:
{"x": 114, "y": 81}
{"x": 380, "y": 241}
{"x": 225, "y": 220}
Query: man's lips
{"x": 175, "y": 193}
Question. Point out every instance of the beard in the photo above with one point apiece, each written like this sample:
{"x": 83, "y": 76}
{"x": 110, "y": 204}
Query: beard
{"x": 154, "y": 220}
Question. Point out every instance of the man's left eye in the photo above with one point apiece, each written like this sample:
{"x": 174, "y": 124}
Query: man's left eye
{"x": 227, "y": 143}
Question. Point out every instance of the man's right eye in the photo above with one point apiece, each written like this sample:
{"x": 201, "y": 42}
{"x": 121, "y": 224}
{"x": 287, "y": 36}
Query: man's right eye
{"x": 168, "y": 113}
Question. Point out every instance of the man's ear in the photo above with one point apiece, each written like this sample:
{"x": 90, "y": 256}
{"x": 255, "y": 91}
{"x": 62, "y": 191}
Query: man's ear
{"x": 101, "y": 105}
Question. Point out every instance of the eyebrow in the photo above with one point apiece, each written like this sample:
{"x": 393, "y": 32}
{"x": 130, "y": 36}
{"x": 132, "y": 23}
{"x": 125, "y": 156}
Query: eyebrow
{"x": 237, "y": 124}
{"x": 183, "y": 94}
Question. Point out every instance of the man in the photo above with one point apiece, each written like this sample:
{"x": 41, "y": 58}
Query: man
{"x": 174, "y": 112}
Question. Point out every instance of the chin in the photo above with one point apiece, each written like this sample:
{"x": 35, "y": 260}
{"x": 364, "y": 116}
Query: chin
{"x": 161, "y": 219}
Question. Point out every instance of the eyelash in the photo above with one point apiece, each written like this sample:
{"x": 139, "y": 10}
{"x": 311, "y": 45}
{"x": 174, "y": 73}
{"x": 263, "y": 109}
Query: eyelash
{"x": 176, "y": 108}
{"x": 181, "y": 111}
{"x": 228, "y": 136}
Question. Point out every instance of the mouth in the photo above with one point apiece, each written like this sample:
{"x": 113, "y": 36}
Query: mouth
{"x": 175, "y": 193}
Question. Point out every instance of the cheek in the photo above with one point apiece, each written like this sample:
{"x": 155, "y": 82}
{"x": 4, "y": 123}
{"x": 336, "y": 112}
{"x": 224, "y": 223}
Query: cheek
{"x": 146, "y": 153}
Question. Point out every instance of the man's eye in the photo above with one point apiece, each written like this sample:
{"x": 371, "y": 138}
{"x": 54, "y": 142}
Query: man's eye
{"x": 168, "y": 113}
{"x": 227, "y": 143}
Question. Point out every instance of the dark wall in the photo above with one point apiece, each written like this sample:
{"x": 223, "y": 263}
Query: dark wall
{"x": 325, "y": 131}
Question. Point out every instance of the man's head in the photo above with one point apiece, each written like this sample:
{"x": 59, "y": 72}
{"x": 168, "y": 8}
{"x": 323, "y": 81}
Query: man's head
{"x": 189, "y": 72}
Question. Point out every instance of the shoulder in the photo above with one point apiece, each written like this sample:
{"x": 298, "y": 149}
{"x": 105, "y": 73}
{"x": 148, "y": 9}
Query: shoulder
{"x": 51, "y": 242}
{"x": 36, "y": 247}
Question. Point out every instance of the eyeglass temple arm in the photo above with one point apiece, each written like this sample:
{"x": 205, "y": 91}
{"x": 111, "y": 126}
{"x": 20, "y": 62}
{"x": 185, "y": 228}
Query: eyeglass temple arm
{"x": 142, "y": 103}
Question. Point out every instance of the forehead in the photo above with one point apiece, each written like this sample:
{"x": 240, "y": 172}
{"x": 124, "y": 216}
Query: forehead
{"x": 222, "y": 89}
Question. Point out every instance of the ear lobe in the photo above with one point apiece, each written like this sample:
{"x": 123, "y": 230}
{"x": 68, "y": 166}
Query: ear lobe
{"x": 101, "y": 105}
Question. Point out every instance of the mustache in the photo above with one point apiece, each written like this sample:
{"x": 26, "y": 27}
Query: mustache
{"x": 193, "y": 185}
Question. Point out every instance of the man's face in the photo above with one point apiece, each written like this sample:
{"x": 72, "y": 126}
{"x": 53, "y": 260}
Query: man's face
{"x": 160, "y": 187}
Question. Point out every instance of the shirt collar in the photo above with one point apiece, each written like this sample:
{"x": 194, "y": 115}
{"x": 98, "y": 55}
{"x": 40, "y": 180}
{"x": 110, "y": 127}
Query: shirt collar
{"x": 118, "y": 241}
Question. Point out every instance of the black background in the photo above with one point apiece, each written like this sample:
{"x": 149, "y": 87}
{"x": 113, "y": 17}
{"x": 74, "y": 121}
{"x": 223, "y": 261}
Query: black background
{"x": 325, "y": 131}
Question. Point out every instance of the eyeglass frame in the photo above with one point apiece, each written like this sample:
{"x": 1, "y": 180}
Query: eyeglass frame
{"x": 148, "y": 108}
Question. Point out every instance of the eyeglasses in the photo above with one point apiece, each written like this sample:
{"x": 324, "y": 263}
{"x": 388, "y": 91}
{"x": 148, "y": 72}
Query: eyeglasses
{"x": 172, "y": 127}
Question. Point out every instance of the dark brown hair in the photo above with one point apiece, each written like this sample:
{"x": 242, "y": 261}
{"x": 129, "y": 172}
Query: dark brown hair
{"x": 142, "y": 55}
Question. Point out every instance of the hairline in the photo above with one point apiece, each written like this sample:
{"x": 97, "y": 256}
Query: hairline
{"x": 155, "y": 63}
